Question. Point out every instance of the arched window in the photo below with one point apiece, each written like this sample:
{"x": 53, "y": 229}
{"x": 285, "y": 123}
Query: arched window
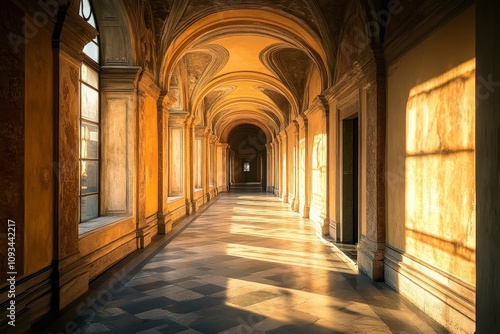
{"x": 89, "y": 123}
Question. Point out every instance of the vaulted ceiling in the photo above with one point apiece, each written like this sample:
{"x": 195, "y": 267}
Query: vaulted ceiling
{"x": 234, "y": 62}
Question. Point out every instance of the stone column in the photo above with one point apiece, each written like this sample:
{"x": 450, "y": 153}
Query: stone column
{"x": 269, "y": 167}
{"x": 213, "y": 142}
{"x": 371, "y": 246}
{"x": 199, "y": 136}
{"x": 487, "y": 167}
{"x": 145, "y": 225}
{"x": 164, "y": 221}
{"x": 206, "y": 165}
{"x": 188, "y": 164}
{"x": 272, "y": 168}
{"x": 295, "y": 205}
{"x": 279, "y": 160}
{"x": 305, "y": 166}
{"x": 284, "y": 166}
{"x": 224, "y": 155}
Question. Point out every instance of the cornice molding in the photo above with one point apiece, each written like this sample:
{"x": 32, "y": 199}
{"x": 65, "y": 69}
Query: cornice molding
{"x": 431, "y": 16}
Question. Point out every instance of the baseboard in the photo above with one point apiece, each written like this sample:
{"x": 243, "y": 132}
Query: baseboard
{"x": 445, "y": 298}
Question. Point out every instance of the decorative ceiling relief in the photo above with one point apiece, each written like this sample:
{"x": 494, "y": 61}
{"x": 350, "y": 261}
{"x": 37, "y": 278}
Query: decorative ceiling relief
{"x": 353, "y": 42}
{"x": 143, "y": 30}
{"x": 245, "y": 61}
{"x": 201, "y": 66}
{"x": 196, "y": 65}
{"x": 281, "y": 101}
{"x": 291, "y": 65}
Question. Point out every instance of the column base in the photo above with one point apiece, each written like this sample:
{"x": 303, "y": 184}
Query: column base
{"x": 333, "y": 230}
{"x": 146, "y": 231}
{"x": 371, "y": 259}
{"x": 164, "y": 224}
{"x": 190, "y": 208}
{"x": 304, "y": 210}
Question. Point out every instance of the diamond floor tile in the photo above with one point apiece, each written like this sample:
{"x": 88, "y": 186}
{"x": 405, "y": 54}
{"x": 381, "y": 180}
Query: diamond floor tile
{"x": 247, "y": 264}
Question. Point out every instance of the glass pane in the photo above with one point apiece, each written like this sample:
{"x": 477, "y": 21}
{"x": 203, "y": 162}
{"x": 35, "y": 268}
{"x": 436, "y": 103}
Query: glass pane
{"x": 90, "y": 76}
{"x": 246, "y": 167}
{"x": 87, "y": 13}
{"x": 89, "y": 206}
{"x": 89, "y": 177}
{"x": 89, "y": 136}
{"x": 90, "y": 104}
{"x": 92, "y": 50}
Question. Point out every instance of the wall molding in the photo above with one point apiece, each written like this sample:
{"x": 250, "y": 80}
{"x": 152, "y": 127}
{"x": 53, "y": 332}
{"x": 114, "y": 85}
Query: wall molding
{"x": 447, "y": 299}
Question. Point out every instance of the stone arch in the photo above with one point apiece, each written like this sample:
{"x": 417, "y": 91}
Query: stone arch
{"x": 249, "y": 22}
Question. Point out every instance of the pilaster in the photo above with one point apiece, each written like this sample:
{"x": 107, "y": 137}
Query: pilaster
{"x": 305, "y": 166}
{"x": 188, "y": 164}
{"x": 207, "y": 164}
{"x": 279, "y": 168}
{"x": 145, "y": 224}
{"x": 296, "y": 201}
{"x": 213, "y": 150}
{"x": 269, "y": 167}
{"x": 372, "y": 244}
{"x": 284, "y": 167}
{"x": 165, "y": 101}
{"x": 224, "y": 152}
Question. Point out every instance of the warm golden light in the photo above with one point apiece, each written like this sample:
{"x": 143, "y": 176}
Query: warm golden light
{"x": 440, "y": 172}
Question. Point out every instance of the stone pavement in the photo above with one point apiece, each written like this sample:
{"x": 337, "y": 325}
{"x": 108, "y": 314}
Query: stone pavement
{"x": 246, "y": 265}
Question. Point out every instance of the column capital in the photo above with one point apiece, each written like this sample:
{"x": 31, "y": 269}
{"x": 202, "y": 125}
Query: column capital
{"x": 119, "y": 78}
{"x": 147, "y": 84}
{"x": 302, "y": 121}
{"x": 213, "y": 139}
{"x": 165, "y": 101}
{"x": 200, "y": 131}
{"x": 177, "y": 118}
{"x": 189, "y": 121}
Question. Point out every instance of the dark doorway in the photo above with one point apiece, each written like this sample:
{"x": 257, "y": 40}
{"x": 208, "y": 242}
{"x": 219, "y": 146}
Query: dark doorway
{"x": 350, "y": 186}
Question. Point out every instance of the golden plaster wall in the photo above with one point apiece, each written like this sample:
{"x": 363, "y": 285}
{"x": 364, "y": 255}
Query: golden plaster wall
{"x": 313, "y": 84}
{"x": 39, "y": 210}
{"x": 317, "y": 141}
{"x": 151, "y": 146}
{"x": 430, "y": 150}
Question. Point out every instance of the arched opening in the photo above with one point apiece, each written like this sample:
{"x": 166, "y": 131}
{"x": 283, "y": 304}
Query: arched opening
{"x": 248, "y": 158}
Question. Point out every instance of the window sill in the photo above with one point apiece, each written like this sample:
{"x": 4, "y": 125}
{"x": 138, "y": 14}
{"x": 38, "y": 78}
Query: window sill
{"x": 98, "y": 223}
{"x": 174, "y": 198}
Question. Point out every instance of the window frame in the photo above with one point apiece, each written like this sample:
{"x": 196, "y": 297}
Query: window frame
{"x": 88, "y": 61}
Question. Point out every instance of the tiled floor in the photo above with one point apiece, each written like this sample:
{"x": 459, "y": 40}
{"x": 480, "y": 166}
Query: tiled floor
{"x": 247, "y": 265}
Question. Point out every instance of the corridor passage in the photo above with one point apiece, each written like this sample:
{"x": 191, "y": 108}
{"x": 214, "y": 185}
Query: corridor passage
{"x": 247, "y": 264}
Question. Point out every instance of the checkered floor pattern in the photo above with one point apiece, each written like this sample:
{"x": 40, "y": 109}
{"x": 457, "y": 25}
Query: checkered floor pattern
{"x": 248, "y": 265}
